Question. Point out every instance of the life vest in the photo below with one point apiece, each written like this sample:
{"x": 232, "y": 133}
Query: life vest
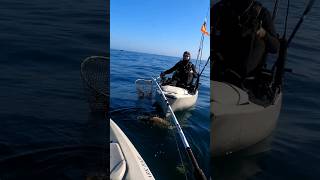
{"x": 184, "y": 73}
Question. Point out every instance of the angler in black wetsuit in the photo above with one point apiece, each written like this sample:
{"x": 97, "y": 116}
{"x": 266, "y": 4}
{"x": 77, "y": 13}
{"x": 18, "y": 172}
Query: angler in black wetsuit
{"x": 243, "y": 34}
{"x": 184, "y": 72}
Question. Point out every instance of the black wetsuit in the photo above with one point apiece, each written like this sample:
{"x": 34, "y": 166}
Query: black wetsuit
{"x": 235, "y": 45}
{"x": 184, "y": 73}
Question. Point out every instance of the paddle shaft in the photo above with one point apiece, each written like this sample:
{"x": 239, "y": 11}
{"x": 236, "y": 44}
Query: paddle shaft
{"x": 198, "y": 171}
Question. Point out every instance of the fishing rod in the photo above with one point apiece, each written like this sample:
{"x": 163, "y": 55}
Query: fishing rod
{"x": 198, "y": 173}
{"x": 284, "y": 43}
{"x": 199, "y": 55}
{"x": 296, "y": 28}
{"x": 204, "y": 66}
{"x": 198, "y": 78}
{"x": 275, "y": 9}
{"x": 306, "y": 11}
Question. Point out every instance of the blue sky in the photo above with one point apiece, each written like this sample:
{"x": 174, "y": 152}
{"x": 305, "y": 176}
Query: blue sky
{"x": 165, "y": 27}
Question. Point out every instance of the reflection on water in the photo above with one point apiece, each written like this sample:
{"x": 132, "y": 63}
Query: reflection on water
{"x": 64, "y": 162}
{"x": 77, "y": 159}
{"x": 45, "y": 131}
{"x": 240, "y": 165}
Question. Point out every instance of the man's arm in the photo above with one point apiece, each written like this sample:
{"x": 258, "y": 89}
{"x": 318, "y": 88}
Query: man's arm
{"x": 175, "y": 67}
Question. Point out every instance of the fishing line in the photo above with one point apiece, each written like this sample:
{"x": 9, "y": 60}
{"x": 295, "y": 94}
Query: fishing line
{"x": 120, "y": 110}
{"x": 179, "y": 152}
{"x": 198, "y": 78}
{"x": 198, "y": 60}
{"x": 286, "y": 20}
{"x": 306, "y": 11}
{"x": 275, "y": 10}
{"x": 200, "y": 50}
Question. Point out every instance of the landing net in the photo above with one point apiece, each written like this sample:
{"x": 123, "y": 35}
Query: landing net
{"x": 144, "y": 88}
{"x": 95, "y": 76}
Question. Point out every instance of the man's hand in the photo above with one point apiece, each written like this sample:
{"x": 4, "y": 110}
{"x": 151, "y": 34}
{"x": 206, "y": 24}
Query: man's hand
{"x": 261, "y": 33}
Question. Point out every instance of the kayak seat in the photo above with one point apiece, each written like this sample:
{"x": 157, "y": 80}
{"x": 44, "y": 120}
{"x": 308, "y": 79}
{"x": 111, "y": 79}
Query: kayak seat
{"x": 117, "y": 162}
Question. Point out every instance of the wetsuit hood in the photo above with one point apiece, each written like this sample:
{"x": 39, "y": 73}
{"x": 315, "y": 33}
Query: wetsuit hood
{"x": 186, "y": 56}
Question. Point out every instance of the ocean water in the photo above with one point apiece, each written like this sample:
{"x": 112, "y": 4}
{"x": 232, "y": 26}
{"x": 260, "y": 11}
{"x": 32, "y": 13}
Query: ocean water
{"x": 292, "y": 151}
{"x": 46, "y": 128}
{"x": 157, "y": 145}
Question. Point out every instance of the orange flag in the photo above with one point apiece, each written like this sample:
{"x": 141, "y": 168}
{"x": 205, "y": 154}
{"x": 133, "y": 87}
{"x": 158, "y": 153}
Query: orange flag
{"x": 204, "y": 29}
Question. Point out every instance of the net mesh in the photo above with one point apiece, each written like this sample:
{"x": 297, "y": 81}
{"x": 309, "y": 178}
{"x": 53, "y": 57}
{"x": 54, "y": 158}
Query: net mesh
{"x": 95, "y": 74}
{"x": 144, "y": 88}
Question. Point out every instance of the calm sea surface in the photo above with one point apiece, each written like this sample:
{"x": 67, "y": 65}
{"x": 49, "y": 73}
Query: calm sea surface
{"x": 293, "y": 150}
{"x": 158, "y": 146}
{"x": 46, "y": 129}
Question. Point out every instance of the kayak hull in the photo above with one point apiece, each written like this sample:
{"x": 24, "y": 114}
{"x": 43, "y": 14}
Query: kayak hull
{"x": 179, "y": 98}
{"x": 236, "y": 126}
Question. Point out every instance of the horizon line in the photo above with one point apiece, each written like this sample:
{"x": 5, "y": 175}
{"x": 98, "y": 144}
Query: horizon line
{"x": 149, "y": 53}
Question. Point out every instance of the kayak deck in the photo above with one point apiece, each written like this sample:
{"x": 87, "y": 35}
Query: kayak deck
{"x": 125, "y": 160}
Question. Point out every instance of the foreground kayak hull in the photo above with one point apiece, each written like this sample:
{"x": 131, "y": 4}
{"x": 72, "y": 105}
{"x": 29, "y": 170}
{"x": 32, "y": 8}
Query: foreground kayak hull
{"x": 237, "y": 126}
{"x": 125, "y": 160}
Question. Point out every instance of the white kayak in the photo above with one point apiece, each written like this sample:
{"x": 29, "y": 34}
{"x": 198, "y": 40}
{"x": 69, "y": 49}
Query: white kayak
{"x": 125, "y": 160}
{"x": 238, "y": 123}
{"x": 179, "y": 98}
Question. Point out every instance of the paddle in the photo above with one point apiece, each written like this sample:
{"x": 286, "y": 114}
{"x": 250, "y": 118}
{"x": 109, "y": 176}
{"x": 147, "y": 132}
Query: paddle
{"x": 198, "y": 173}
